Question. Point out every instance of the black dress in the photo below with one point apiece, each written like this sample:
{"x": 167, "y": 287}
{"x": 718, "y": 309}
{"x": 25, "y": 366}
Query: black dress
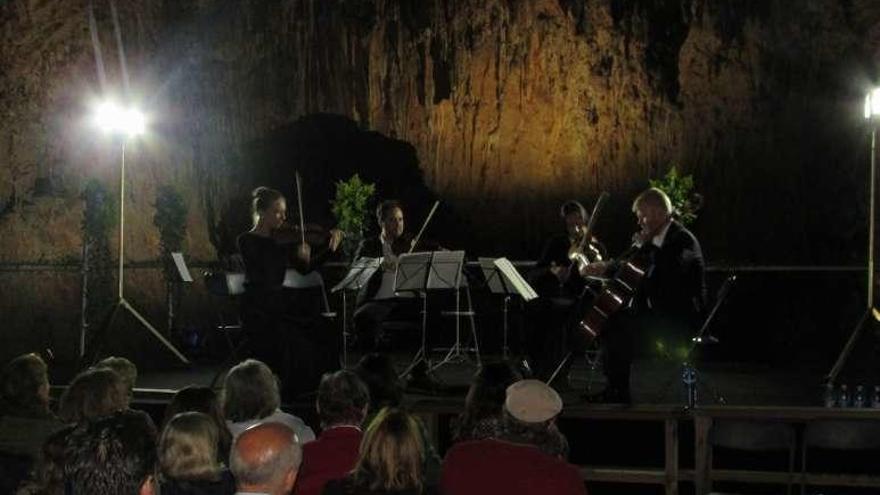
{"x": 263, "y": 305}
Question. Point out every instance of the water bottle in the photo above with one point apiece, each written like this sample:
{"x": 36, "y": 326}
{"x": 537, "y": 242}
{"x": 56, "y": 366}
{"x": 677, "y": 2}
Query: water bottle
{"x": 843, "y": 400}
{"x": 875, "y": 398}
{"x": 829, "y": 399}
{"x": 859, "y": 397}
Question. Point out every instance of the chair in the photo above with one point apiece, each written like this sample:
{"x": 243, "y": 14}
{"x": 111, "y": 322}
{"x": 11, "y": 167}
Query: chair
{"x": 840, "y": 435}
{"x": 752, "y": 436}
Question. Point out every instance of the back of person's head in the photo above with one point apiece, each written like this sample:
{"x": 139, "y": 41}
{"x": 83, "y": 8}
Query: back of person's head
{"x": 92, "y": 394}
{"x": 266, "y": 458}
{"x": 342, "y": 399}
{"x": 111, "y": 456}
{"x": 188, "y": 448}
{"x": 573, "y": 206}
{"x": 24, "y": 385}
{"x": 378, "y": 374}
{"x": 124, "y": 368}
{"x": 530, "y": 412}
{"x": 203, "y": 400}
{"x": 392, "y": 454}
{"x": 488, "y": 390}
{"x": 194, "y": 399}
{"x": 250, "y": 392}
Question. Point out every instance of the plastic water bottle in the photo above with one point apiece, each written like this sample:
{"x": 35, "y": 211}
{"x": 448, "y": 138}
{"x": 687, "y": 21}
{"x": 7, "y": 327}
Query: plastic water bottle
{"x": 843, "y": 399}
{"x": 859, "y": 398}
{"x": 829, "y": 399}
{"x": 875, "y": 398}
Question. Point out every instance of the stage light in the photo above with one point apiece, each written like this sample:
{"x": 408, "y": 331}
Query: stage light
{"x": 112, "y": 118}
{"x": 872, "y": 104}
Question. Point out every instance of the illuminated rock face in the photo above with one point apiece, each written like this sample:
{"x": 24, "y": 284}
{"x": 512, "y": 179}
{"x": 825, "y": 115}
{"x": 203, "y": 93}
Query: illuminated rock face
{"x": 508, "y": 106}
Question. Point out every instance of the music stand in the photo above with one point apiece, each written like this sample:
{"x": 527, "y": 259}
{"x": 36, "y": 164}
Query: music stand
{"x": 183, "y": 277}
{"x": 446, "y": 274}
{"x": 503, "y": 278}
{"x": 359, "y": 273}
{"x": 412, "y": 276}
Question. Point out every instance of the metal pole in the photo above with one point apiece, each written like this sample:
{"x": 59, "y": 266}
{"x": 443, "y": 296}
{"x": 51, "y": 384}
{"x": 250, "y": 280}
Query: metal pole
{"x": 121, "y": 217}
{"x": 873, "y": 185}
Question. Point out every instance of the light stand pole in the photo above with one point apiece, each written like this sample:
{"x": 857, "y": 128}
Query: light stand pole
{"x": 872, "y": 113}
{"x": 129, "y": 123}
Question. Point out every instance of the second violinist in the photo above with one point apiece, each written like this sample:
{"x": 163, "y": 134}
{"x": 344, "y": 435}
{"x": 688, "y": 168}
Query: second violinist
{"x": 377, "y": 300}
{"x": 558, "y": 279}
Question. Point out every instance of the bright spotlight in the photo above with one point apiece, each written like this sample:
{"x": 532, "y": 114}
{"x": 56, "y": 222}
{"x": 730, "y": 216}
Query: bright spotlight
{"x": 110, "y": 117}
{"x": 872, "y": 104}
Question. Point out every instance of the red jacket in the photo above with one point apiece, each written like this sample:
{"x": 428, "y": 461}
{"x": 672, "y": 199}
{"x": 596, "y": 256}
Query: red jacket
{"x": 331, "y": 456}
{"x": 492, "y": 466}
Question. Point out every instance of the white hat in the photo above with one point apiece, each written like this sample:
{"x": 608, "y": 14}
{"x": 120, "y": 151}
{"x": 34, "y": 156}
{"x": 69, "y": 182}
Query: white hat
{"x": 532, "y": 401}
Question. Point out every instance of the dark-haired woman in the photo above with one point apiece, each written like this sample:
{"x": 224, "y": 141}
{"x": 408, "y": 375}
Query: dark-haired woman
{"x": 267, "y": 309}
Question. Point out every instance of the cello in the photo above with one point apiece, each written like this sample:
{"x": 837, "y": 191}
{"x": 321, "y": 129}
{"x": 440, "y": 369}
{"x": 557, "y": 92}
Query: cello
{"x": 618, "y": 292}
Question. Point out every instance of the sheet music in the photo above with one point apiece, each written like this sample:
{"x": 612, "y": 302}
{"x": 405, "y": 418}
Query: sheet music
{"x": 412, "y": 272}
{"x": 493, "y": 276}
{"x": 359, "y": 273}
{"x": 514, "y": 280}
{"x": 182, "y": 269}
{"x": 296, "y": 280}
{"x": 445, "y": 270}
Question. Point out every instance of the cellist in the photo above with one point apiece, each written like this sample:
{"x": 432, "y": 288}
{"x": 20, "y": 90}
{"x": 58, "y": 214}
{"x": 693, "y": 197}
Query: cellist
{"x": 668, "y": 306}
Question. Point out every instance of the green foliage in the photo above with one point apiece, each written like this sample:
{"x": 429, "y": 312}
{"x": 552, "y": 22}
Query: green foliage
{"x": 350, "y": 210}
{"x": 680, "y": 189}
{"x": 99, "y": 215}
{"x": 170, "y": 219}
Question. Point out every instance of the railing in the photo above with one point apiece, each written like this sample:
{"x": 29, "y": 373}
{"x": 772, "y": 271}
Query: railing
{"x": 671, "y": 474}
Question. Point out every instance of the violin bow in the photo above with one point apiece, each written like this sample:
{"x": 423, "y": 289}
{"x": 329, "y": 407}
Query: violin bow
{"x": 299, "y": 200}
{"x": 424, "y": 225}
{"x": 588, "y": 232}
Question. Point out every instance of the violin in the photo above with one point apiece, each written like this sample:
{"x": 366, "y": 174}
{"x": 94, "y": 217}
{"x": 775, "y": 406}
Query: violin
{"x": 584, "y": 251}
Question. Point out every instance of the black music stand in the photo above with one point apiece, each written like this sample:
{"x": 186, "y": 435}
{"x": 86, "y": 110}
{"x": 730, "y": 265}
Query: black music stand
{"x": 503, "y": 278}
{"x": 359, "y": 273}
{"x": 412, "y": 276}
{"x": 183, "y": 277}
{"x": 446, "y": 274}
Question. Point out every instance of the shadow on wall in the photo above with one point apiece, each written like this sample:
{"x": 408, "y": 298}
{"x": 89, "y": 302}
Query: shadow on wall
{"x": 325, "y": 149}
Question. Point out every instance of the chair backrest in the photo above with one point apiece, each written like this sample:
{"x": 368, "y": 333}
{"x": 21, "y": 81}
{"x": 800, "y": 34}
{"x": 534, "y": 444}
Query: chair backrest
{"x": 752, "y": 435}
{"x": 843, "y": 435}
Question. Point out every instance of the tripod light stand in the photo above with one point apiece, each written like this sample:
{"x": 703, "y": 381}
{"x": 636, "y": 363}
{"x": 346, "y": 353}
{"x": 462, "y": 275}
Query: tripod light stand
{"x": 872, "y": 115}
{"x": 128, "y": 124}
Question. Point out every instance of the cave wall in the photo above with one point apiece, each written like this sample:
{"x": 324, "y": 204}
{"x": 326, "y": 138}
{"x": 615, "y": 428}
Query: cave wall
{"x": 510, "y": 106}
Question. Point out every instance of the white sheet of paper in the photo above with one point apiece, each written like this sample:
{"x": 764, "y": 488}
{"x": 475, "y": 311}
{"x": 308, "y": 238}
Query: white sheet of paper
{"x": 182, "y": 269}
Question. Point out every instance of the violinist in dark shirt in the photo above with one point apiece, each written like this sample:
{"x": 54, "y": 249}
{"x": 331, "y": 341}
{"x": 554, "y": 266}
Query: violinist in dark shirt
{"x": 267, "y": 250}
{"x": 377, "y": 299}
{"x": 558, "y": 280}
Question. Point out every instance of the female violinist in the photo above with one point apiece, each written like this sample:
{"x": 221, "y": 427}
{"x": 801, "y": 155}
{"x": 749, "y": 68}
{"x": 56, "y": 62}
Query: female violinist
{"x": 267, "y": 250}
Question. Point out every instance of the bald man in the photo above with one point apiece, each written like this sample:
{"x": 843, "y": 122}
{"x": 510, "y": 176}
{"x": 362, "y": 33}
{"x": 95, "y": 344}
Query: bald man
{"x": 265, "y": 459}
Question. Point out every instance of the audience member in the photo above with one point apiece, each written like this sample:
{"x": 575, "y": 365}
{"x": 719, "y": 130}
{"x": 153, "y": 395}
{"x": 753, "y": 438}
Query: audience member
{"x": 391, "y": 459}
{"x": 484, "y": 402}
{"x": 203, "y": 400}
{"x": 188, "y": 462}
{"x": 512, "y": 464}
{"x": 342, "y": 405}
{"x": 251, "y": 396}
{"x": 265, "y": 459}
{"x": 92, "y": 394}
{"x": 47, "y": 477}
{"x": 125, "y": 369}
{"x": 111, "y": 456}
{"x": 378, "y": 374}
{"x": 25, "y": 418}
